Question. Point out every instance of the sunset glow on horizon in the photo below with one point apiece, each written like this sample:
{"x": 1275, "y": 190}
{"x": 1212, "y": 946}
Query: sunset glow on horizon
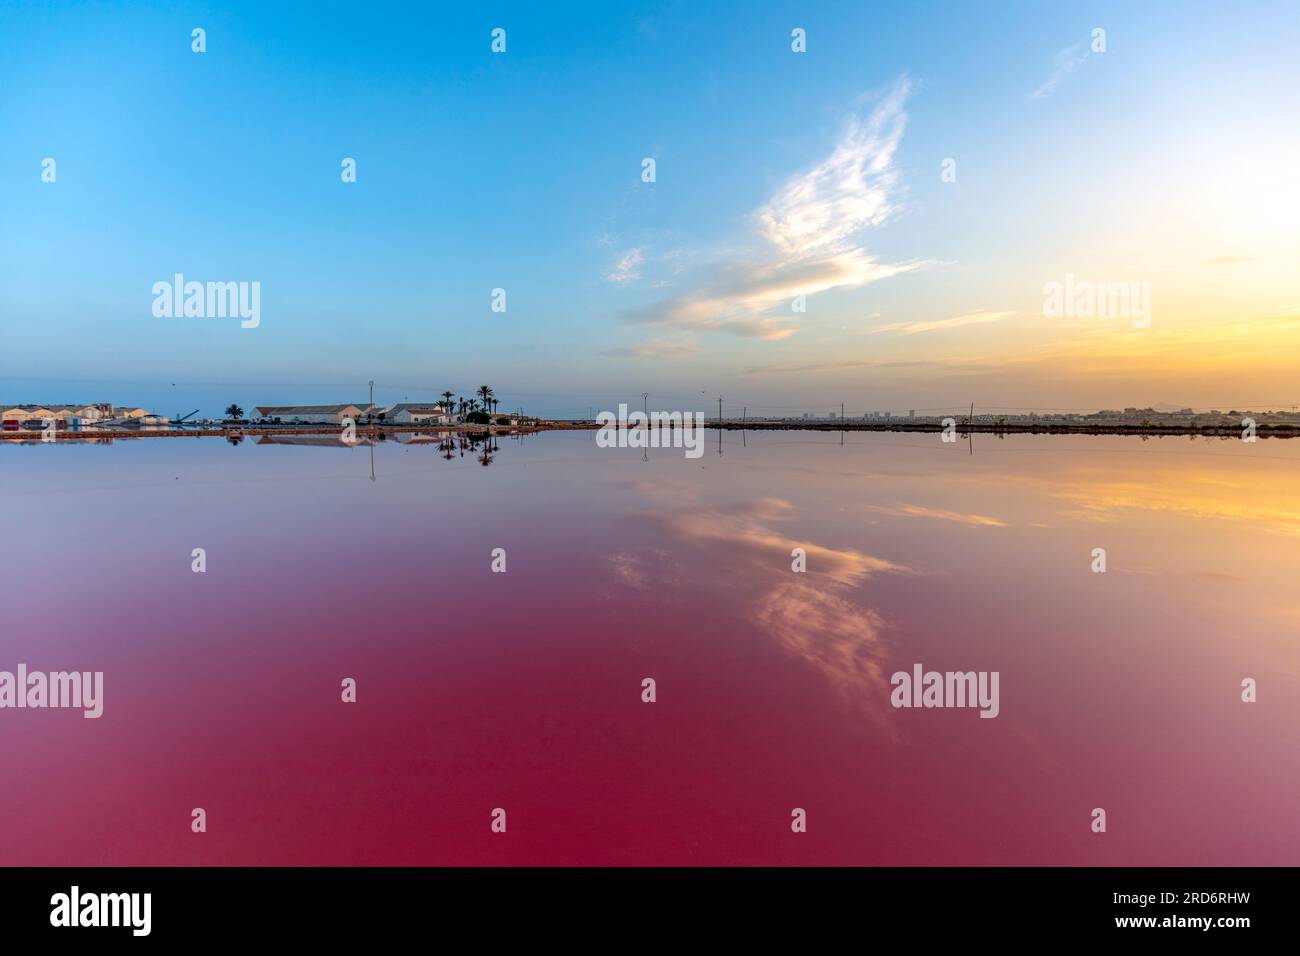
{"x": 918, "y": 176}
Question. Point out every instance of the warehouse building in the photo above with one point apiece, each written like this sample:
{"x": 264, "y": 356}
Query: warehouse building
{"x": 59, "y": 412}
{"x": 316, "y": 414}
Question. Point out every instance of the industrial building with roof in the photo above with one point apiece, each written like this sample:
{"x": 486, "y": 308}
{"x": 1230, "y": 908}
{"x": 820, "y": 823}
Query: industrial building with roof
{"x": 68, "y": 413}
{"x": 315, "y": 414}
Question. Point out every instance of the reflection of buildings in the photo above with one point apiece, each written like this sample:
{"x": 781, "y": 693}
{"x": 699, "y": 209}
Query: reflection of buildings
{"x": 315, "y": 414}
{"x": 314, "y": 441}
{"x": 419, "y": 438}
{"x": 98, "y": 440}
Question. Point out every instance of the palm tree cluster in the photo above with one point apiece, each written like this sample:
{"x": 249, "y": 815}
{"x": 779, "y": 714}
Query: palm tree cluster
{"x": 485, "y": 401}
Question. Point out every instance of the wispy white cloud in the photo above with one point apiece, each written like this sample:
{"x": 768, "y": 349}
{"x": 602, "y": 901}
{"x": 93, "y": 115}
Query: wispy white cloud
{"x": 733, "y": 297}
{"x": 628, "y": 267}
{"x": 1063, "y": 64}
{"x": 659, "y": 348}
{"x": 970, "y": 318}
{"x": 806, "y": 230}
{"x": 819, "y": 209}
{"x": 917, "y": 511}
{"x": 835, "y": 366}
{"x": 932, "y": 368}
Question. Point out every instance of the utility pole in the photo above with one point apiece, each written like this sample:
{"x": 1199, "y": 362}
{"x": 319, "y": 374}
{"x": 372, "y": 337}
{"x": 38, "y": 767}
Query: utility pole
{"x": 645, "y": 404}
{"x": 372, "y": 391}
{"x": 719, "y": 424}
{"x": 841, "y": 412}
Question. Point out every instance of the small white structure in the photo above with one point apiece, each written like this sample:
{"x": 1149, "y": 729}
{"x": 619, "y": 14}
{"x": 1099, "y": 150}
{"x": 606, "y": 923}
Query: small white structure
{"x": 315, "y": 414}
{"x": 418, "y": 414}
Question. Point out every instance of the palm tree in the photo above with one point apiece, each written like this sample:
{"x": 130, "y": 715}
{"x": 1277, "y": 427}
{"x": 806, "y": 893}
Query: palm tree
{"x": 485, "y": 393}
{"x": 446, "y": 399}
{"x": 234, "y": 411}
{"x": 464, "y": 405}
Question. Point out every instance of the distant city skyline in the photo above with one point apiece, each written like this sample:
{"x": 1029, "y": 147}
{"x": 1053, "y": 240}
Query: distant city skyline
{"x": 919, "y": 176}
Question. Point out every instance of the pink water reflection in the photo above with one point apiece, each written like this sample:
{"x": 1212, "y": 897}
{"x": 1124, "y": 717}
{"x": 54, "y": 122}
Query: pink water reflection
{"x": 480, "y": 690}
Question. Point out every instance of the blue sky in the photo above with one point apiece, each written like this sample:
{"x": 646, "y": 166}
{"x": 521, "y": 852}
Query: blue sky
{"x": 522, "y": 171}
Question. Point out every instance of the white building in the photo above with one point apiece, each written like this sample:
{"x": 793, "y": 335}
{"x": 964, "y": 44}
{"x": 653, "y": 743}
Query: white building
{"x": 418, "y": 414}
{"x": 315, "y": 414}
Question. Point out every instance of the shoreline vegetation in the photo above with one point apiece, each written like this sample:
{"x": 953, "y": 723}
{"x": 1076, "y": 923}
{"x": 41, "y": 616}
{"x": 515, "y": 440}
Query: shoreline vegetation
{"x": 1146, "y": 429}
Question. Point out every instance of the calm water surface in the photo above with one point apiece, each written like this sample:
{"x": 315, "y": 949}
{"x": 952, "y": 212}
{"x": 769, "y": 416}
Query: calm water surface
{"x": 523, "y": 690}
